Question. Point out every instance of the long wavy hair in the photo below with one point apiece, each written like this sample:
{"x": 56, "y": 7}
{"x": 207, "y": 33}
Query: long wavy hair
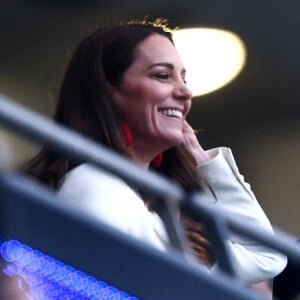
{"x": 86, "y": 106}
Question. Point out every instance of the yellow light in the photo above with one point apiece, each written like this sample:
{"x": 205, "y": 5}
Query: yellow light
{"x": 212, "y": 57}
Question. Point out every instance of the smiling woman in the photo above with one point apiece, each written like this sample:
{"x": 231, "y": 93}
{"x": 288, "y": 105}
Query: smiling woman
{"x": 154, "y": 99}
{"x": 125, "y": 88}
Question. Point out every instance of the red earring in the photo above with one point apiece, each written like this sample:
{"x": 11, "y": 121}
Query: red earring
{"x": 127, "y": 133}
{"x": 156, "y": 161}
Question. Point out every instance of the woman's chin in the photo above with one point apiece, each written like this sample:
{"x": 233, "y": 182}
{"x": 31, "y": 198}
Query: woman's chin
{"x": 173, "y": 141}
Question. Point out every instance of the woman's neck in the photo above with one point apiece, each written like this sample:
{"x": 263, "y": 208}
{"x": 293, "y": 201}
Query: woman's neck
{"x": 140, "y": 158}
{"x": 143, "y": 155}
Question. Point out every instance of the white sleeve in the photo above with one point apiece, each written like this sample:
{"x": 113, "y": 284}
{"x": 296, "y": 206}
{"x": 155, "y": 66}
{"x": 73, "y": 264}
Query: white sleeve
{"x": 253, "y": 262}
{"x": 110, "y": 200}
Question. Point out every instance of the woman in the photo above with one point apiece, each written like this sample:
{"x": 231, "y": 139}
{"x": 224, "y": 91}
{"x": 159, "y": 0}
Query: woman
{"x": 125, "y": 88}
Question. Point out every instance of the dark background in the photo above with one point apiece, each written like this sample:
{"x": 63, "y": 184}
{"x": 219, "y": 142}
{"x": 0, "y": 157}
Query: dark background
{"x": 256, "y": 114}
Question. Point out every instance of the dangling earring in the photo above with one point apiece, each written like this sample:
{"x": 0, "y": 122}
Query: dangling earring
{"x": 127, "y": 133}
{"x": 156, "y": 161}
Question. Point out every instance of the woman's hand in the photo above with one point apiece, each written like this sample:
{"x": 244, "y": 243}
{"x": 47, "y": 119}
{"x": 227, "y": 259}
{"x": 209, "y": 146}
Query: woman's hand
{"x": 191, "y": 142}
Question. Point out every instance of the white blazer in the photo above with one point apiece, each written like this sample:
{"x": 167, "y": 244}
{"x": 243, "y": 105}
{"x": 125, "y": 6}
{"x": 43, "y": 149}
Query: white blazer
{"x": 109, "y": 199}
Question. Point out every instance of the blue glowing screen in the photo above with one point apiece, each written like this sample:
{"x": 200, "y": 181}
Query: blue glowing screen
{"x": 44, "y": 278}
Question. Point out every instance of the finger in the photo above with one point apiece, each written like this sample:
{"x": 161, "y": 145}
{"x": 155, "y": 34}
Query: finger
{"x": 186, "y": 126}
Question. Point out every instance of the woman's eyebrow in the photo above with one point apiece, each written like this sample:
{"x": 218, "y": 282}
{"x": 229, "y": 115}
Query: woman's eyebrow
{"x": 162, "y": 64}
{"x": 167, "y": 65}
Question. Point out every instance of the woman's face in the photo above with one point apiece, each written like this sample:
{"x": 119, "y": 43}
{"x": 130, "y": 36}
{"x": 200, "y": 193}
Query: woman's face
{"x": 153, "y": 98}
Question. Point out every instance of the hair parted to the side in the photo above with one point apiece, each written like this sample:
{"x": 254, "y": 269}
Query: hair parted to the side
{"x": 86, "y": 105}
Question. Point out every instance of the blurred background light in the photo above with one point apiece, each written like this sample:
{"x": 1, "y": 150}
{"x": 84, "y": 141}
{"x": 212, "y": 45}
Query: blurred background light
{"x": 212, "y": 57}
{"x": 44, "y": 278}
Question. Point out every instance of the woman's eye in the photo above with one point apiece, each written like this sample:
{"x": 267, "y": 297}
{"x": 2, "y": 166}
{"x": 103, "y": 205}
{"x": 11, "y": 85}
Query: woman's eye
{"x": 162, "y": 76}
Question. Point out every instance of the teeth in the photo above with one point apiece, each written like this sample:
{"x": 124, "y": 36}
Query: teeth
{"x": 172, "y": 113}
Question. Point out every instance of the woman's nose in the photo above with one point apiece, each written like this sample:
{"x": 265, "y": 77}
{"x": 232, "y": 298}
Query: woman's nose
{"x": 181, "y": 91}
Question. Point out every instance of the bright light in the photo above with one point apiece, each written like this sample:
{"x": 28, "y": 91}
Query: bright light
{"x": 212, "y": 57}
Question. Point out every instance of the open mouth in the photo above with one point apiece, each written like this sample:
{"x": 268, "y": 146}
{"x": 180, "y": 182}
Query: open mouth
{"x": 171, "y": 113}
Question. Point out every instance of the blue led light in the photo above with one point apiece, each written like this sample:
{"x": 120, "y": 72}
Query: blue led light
{"x": 50, "y": 279}
{"x": 12, "y": 251}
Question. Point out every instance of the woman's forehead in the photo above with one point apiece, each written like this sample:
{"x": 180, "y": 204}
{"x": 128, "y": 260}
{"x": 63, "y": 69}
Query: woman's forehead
{"x": 157, "y": 49}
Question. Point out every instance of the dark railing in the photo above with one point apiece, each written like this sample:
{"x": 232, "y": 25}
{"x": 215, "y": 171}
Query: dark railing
{"x": 32, "y": 214}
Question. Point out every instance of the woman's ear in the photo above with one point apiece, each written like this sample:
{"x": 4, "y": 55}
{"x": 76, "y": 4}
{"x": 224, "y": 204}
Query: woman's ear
{"x": 116, "y": 94}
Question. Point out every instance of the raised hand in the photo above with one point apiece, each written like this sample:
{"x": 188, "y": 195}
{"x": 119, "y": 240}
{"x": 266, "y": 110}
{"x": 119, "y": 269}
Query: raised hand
{"x": 192, "y": 143}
